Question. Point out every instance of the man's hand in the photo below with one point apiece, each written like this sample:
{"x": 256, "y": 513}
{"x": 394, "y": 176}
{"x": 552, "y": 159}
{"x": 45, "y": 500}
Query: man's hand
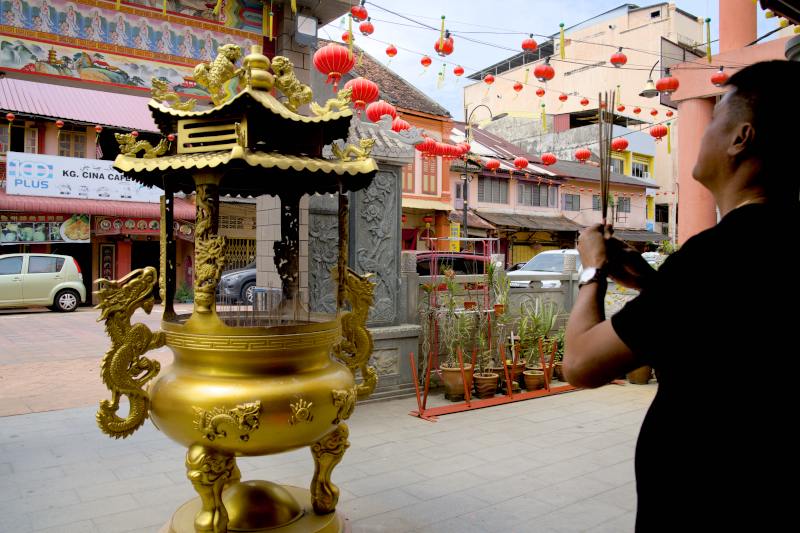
{"x": 592, "y": 246}
{"x": 626, "y": 265}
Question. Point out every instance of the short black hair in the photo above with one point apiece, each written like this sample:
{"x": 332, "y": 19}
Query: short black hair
{"x": 767, "y": 94}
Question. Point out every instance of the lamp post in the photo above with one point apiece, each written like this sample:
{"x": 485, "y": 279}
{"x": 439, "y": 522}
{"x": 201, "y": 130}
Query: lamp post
{"x": 650, "y": 90}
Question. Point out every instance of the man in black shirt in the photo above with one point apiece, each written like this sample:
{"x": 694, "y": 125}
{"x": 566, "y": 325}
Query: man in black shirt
{"x": 717, "y": 322}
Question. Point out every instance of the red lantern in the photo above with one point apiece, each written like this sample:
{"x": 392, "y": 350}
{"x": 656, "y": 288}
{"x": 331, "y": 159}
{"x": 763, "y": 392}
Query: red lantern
{"x": 563, "y": 97}
{"x": 492, "y": 164}
{"x": 334, "y": 61}
{"x": 529, "y": 44}
{"x": 548, "y": 159}
{"x": 668, "y": 84}
{"x": 637, "y": 110}
{"x": 539, "y": 92}
{"x": 134, "y": 133}
{"x": 544, "y": 72}
{"x": 719, "y": 78}
{"x": 465, "y": 147}
{"x": 658, "y": 131}
{"x": 404, "y": 218}
{"x": 426, "y": 145}
{"x": 619, "y": 144}
{"x": 619, "y": 59}
{"x": 60, "y": 124}
{"x": 376, "y": 110}
{"x": 425, "y": 61}
{"x": 398, "y": 124}
{"x": 488, "y": 79}
{"x": 670, "y": 113}
{"x": 584, "y": 101}
{"x": 391, "y": 50}
{"x": 444, "y": 47}
{"x": 521, "y": 163}
{"x": 98, "y": 128}
{"x": 654, "y": 112}
{"x": 364, "y": 91}
{"x": 583, "y": 154}
{"x": 458, "y": 70}
{"x": 620, "y": 108}
{"x": 441, "y": 149}
{"x": 366, "y": 28}
{"x": 10, "y": 117}
{"x": 517, "y": 86}
{"x": 346, "y": 37}
{"x": 359, "y": 12}
{"x": 171, "y": 137}
{"x": 428, "y": 220}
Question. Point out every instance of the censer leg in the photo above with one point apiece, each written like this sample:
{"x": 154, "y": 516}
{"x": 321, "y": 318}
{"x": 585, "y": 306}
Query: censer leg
{"x": 327, "y": 454}
{"x": 209, "y": 471}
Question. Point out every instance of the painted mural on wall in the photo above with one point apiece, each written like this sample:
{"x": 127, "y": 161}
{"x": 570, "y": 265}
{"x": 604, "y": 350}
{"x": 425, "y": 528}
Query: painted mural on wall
{"x": 44, "y": 58}
{"x": 70, "y": 19}
{"x": 239, "y": 14}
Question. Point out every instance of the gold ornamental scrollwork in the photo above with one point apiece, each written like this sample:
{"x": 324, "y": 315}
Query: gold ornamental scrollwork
{"x": 327, "y": 453}
{"x": 301, "y": 412}
{"x": 359, "y": 153}
{"x": 209, "y": 471}
{"x": 124, "y": 369}
{"x": 243, "y": 417}
{"x": 356, "y": 345}
{"x": 209, "y": 249}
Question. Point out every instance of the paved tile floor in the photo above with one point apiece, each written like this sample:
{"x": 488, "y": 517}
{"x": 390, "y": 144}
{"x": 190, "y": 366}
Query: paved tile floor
{"x": 562, "y": 463}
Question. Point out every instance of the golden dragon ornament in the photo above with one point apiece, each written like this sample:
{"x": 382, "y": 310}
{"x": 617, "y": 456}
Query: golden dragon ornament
{"x": 125, "y": 371}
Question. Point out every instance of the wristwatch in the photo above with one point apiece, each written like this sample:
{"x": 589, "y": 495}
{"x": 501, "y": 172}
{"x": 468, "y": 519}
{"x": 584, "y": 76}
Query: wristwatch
{"x": 591, "y": 275}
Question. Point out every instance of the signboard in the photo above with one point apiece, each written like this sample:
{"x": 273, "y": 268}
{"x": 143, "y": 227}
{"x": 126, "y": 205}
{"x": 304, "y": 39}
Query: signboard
{"x": 107, "y": 252}
{"x": 455, "y": 233}
{"x": 43, "y": 229}
{"x": 103, "y": 225}
{"x": 72, "y": 177}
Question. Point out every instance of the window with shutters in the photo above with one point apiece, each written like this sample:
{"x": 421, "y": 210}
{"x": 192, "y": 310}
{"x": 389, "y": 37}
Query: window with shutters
{"x": 536, "y": 195}
{"x": 429, "y": 178}
{"x": 22, "y": 139}
{"x": 492, "y": 190}
{"x": 595, "y": 202}
{"x": 72, "y": 144}
{"x": 662, "y": 213}
{"x": 640, "y": 169}
{"x": 623, "y": 205}
{"x": 618, "y": 165}
{"x": 408, "y": 178}
{"x": 572, "y": 202}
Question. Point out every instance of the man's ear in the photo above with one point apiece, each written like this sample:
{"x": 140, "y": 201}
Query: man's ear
{"x": 743, "y": 138}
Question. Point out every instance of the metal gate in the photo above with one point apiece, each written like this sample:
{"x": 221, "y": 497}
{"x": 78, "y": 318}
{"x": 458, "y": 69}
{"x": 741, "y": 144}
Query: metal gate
{"x": 239, "y": 252}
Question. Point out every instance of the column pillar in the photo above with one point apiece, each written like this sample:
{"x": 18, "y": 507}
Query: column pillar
{"x": 696, "y": 207}
{"x": 737, "y": 24}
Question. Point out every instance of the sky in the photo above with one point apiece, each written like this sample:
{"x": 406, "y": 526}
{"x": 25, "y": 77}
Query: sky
{"x": 492, "y": 19}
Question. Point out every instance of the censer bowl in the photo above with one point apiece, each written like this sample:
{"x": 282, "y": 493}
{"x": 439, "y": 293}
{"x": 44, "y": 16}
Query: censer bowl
{"x": 250, "y": 391}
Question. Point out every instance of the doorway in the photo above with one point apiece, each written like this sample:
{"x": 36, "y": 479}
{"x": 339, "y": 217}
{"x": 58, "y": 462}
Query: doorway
{"x": 146, "y": 253}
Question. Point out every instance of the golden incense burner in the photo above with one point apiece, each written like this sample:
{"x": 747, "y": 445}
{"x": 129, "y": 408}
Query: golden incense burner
{"x": 280, "y": 382}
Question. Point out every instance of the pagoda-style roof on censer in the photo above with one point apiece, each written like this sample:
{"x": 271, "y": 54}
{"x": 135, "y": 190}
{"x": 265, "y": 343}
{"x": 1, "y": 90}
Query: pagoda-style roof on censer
{"x": 259, "y": 144}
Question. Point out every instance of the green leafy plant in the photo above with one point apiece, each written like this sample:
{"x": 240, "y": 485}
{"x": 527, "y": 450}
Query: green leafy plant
{"x": 184, "y": 293}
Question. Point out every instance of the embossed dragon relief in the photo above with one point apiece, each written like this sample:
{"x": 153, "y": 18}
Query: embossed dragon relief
{"x": 356, "y": 345}
{"x": 124, "y": 369}
{"x": 244, "y": 418}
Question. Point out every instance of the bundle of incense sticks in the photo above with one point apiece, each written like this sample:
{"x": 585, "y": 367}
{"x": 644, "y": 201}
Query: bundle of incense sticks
{"x": 606, "y": 131}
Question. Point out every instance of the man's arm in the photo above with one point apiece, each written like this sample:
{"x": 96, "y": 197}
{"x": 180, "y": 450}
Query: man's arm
{"x": 593, "y": 354}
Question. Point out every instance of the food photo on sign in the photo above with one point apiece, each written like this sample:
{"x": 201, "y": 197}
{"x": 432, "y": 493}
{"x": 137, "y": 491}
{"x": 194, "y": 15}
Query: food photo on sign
{"x": 16, "y": 229}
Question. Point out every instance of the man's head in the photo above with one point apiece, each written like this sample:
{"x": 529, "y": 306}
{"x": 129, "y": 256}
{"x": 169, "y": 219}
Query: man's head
{"x": 750, "y": 133}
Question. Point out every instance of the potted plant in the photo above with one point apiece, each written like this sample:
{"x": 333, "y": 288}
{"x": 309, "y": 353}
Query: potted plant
{"x": 533, "y": 375}
{"x": 558, "y": 370}
{"x": 485, "y": 380}
{"x": 501, "y": 289}
{"x": 454, "y": 327}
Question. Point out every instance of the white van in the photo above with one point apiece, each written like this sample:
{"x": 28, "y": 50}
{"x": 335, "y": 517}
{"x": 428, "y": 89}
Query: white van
{"x": 547, "y": 262}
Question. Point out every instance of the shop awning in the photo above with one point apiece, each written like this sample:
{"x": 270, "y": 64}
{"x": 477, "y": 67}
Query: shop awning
{"x": 74, "y": 103}
{"x": 531, "y": 222}
{"x": 639, "y": 235}
{"x": 184, "y": 209}
{"x": 427, "y": 205}
{"x": 473, "y": 220}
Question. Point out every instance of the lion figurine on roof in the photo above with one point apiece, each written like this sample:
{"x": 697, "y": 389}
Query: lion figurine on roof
{"x": 215, "y": 76}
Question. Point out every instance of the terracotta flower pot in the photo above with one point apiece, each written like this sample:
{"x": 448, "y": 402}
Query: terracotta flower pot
{"x": 640, "y": 376}
{"x": 558, "y": 371}
{"x": 453, "y": 384}
{"x": 499, "y": 309}
{"x": 485, "y": 384}
{"x": 470, "y": 305}
{"x": 534, "y": 379}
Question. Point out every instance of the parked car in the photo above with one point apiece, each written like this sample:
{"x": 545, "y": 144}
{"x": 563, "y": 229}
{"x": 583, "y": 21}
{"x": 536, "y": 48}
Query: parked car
{"x": 461, "y": 263}
{"x": 547, "y": 262}
{"x": 51, "y": 280}
{"x": 237, "y": 285}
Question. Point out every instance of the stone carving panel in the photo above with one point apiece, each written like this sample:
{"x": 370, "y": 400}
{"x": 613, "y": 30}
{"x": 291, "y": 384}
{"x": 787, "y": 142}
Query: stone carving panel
{"x": 386, "y": 362}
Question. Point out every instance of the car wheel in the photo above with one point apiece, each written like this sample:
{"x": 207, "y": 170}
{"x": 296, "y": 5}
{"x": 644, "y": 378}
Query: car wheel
{"x": 66, "y": 301}
{"x": 247, "y": 292}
